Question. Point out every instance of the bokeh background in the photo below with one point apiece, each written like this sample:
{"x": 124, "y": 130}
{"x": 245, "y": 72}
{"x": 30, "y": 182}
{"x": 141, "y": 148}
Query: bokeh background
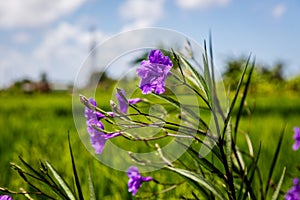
{"x": 44, "y": 43}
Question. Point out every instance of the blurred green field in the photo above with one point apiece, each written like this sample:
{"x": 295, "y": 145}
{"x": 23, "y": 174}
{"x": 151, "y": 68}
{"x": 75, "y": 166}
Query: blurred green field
{"x": 36, "y": 127}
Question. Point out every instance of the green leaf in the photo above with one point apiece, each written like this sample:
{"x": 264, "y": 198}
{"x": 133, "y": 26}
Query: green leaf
{"x": 275, "y": 158}
{"x": 276, "y": 193}
{"x": 91, "y": 187}
{"x": 200, "y": 180}
{"x": 204, "y": 162}
{"x": 179, "y": 106}
{"x": 241, "y": 106}
{"x": 228, "y": 145}
{"x": 248, "y": 181}
{"x": 197, "y": 78}
{"x": 207, "y": 76}
{"x": 236, "y": 96}
{"x": 39, "y": 175}
{"x": 61, "y": 182}
{"x": 79, "y": 191}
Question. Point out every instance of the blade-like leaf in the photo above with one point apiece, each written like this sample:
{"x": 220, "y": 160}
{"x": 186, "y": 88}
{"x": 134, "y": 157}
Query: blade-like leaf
{"x": 200, "y": 180}
{"x": 61, "y": 182}
{"x": 228, "y": 145}
{"x": 91, "y": 187}
{"x": 199, "y": 80}
{"x": 275, "y": 158}
{"x": 276, "y": 193}
{"x": 241, "y": 106}
{"x": 236, "y": 96}
{"x": 79, "y": 191}
{"x": 41, "y": 176}
{"x": 179, "y": 106}
{"x": 207, "y": 76}
{"x": 248, "y": 181}
{"x": 203, "y": 161}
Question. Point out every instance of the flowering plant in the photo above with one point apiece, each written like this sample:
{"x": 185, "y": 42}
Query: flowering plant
{"x": 194, "y": 135}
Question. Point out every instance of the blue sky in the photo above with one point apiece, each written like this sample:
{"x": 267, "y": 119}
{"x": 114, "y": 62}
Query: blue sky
{"x": 54, "y": 36}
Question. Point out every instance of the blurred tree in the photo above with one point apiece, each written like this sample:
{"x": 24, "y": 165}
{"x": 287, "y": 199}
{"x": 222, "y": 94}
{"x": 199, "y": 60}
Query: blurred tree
{"x": 233, "y": 70}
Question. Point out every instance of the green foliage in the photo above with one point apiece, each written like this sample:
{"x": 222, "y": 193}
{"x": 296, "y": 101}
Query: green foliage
{"x": 244, "y": 161}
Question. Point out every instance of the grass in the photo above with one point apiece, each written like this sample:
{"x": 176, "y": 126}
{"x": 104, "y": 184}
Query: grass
{"x": 36, "y": 126}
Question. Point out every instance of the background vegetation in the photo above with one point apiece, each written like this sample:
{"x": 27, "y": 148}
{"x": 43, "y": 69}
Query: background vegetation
{"x": 35, "y": 126}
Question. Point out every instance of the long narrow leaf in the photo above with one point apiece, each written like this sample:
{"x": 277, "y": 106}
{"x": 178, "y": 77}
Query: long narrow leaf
{"x": 275, "y": 158}
{"x": 248, "y": 181}
{"x": 276, "y": 193}
{"x": 61, "y": 182}
{"x": 40, "y": 175}
{"x": 197, "y": 178}
{"x": 240, "y": 109}
{"x": 91, "y": 187}
{"x": 228, "y": 145}
{"x": 179, "y": 106}
{"x": 204, "y": 162}
{"x": 197, "y": 77}
{"x": 79, "y": 191}
{"x": 235, "y": 97}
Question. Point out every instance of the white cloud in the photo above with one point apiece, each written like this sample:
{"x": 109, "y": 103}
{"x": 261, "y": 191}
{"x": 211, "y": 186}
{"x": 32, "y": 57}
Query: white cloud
{"x": 141, "y": 13}
{"x": 60, "y": 54}
{"x": 279, "y": 10}
{"x": 64, "y": 49}
{"x": 32, "y": 13}
{"x": 21, "y": 37}
{"x": 201, "y": 4}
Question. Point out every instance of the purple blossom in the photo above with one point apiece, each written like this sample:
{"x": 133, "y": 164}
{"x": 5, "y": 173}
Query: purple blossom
{"x": 294, "y": 192}
{"x": 135, "y": 179}
{"x": 296, "y": 138}
{"x": 123, "y": 102}
{"x": 153, "y": 72}
{"x": 97, "y": 137}
{"x": 93, "y": 117}
{"x": 5, "y": 197}
{"x": 98, "y": 140}
{"x": 89, "y": 113}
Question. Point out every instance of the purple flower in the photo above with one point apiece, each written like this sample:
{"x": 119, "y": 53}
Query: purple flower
{"x": 123, "y": 102}
{"x": 89, "y": 113}
{"x": 296, "y": 138}
{"x": 97, "y": 137}
{"x": 93, "y": 117}
{"x": 5, "y": 197}
{"x": 294, "y": 192}
{"x": 98, "y": 140}
{"x": 153, "y": 72}
{"x": 135, "y": 179}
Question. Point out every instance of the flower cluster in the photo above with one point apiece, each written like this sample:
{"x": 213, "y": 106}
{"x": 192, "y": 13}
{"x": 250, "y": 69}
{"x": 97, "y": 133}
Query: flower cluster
{"x": 153, "y": 72}
{"x": 94, "y": 125}
{"x": 97, "y": 137}
{"x": 294, "y": 192}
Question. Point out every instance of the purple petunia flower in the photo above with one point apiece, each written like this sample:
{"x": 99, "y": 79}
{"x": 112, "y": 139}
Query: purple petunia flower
{"x": 153, "y": 72}
{"x": 296, "y": 138}
{"x": 123, "y": 102}
{"x": 294, "y": 192}
{"x": 97, "y": 138}
{"x": 135, "y": 179}
{"x": 5, "y": 197}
